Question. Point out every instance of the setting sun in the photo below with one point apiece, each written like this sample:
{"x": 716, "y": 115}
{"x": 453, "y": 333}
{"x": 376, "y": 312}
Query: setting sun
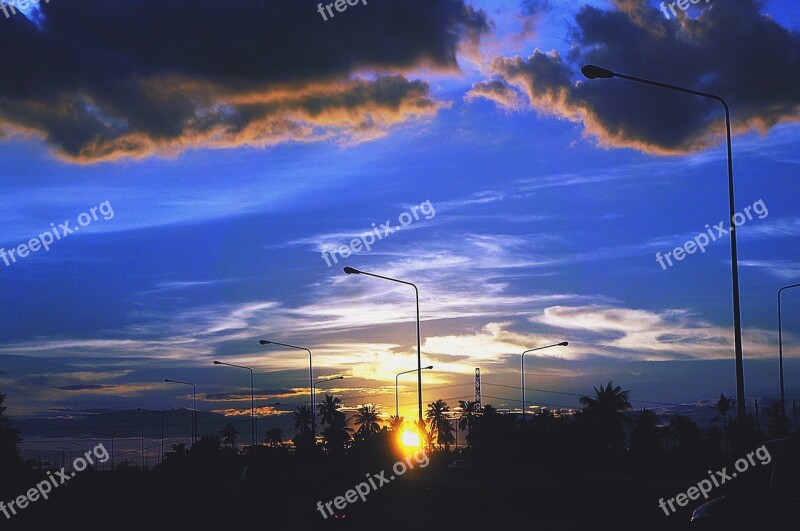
{"x": 410, "y": 439}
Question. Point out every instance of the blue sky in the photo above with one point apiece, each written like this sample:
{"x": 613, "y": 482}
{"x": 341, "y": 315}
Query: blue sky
{"x": 547, "y": 221}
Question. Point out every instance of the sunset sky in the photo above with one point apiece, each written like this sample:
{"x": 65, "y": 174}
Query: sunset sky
{"x": 236, "y": 141}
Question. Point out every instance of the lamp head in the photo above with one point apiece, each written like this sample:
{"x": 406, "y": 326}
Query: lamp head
{"x": 215, "y": 362}
{"x": 564, "y": 344}
{"x": 167, "y": 380}
{"x": 428, "y": 367}
{"x": 594, "y": 72}
{"x": 351, "y": 271}
{"x": 263, "y": 342}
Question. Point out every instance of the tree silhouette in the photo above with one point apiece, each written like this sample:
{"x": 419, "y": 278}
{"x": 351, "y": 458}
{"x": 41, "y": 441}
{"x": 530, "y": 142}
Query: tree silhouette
{"x": 645, "y": 436}
{"x": 776, "y": 423}
{"x": 604, "y": 414}
{"x": 229, "y": 435}
{"x": 303, "y": 419}
{"x": 440, "y": 426}
{"x": 396, "y": 422}
{"x": 9, "y": 438}
{"x": 723, "y": 407}
{"x": 367, "y": 418}
{"x": 274, "y": 437}
{"x": 328, "y": 408}
{"x": 468, "y": 416}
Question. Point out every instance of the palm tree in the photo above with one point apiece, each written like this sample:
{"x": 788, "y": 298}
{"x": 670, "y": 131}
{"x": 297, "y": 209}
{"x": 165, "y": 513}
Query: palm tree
{"x": 722, "y": 407}
{"x": 303, "y": 419}
{"x": 337, "y": 433}
{"x": 776, "y": 423}
{"x": 368, "y": 421}
{"x": 396, "y": 422}
{"x": 604, "y": 410}
{"x": 229, "y": 435}
{"x": 440, "y": 424}
{"x": 274, "y": 437}
{"x": 645, "y": 436}
{"x": 327, "y": 409}
{"x": 469, "y": 414}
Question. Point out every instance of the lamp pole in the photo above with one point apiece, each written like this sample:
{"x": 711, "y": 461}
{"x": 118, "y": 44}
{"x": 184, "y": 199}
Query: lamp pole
{"x": 780, "y": 349}
{"x": 594, "y": 72}
{"x": 141, "y": 426}
{"x": 194, "y": 406}
{"x": 522, "y": 364}
{"x": 314, "y": 395}
{"x": 396, "y": 399}
{"x": 162, "y": 428}
{"x": 112, "y": 445}
{"x": 310, "y": 366}
{"x": 252, "y": 400}
{"x": 353, "y": 271}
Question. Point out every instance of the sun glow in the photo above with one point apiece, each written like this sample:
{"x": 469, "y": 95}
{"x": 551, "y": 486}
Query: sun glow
{"x": 410, "y": 439}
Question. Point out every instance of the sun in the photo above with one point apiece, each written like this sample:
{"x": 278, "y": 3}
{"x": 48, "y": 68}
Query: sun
{"x": 410, "y": 439}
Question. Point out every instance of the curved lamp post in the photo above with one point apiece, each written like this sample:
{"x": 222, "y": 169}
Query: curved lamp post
{"x": 780, "y": 349}
{"x": 194, "y": 406}
{"x": 595, "y": 72}
{"x": 310, "y": 366}
{"x": 396, "y": 400}
{"x": 522, "y": 363}
{"x": 353, "y": 271}
{"x": 252, "y": 399}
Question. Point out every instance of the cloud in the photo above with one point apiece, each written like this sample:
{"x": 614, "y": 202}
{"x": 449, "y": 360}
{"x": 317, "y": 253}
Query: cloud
{"x": 100, "y": 80}
{"x": 636, "y": 334}
{"x": 637, "y": 39}
{"x": 84, "y": 387}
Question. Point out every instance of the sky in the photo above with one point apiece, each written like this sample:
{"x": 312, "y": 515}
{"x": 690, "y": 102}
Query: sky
{"x": 226, "y": 146}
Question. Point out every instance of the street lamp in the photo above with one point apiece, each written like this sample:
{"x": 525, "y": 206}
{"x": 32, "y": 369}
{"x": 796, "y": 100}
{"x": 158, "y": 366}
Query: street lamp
{"x": 112, "y": 445}
{"x": 396, "y": 401}
{"x": 314, "y": 395}
{"x": 594, "y": 72}
{"x": 310, "y": 367}
{"x": 63, "y": 455}
{"x": 252, "y": 400}
{"x": 522, "y": 363}
{"x": 194, "y": 406}
{"x": 780, "y": 349}
{"x": 144, "y": 466}
{"x": 162, "y": 428}
{"x": 353, "y": 271}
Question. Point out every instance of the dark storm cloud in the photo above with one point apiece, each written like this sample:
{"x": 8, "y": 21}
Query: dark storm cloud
{"x": 84, "y": 387}
{"x": 102, "y": 79}
{"x": 263, "y": 394}
{"x": 729, "y": 49}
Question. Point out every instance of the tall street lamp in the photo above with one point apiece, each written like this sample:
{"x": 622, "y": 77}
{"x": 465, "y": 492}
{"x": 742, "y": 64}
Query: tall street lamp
{"x": 314, "y": 413}
{"x": 522, "y": 363}
{"x": 594, "y": 72}
{"x": 112, "y": 445}
{"x": 310, "y": 367}
{"x": 252, "y": 400}
{"x": 396, "y": 401}
{"x": 353, "y": 271}
{"x": 780, "y": 348}
{"x": 194, "y": 406}
{"x": 141, "y": 426}
{"x": 162, "y": 428}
